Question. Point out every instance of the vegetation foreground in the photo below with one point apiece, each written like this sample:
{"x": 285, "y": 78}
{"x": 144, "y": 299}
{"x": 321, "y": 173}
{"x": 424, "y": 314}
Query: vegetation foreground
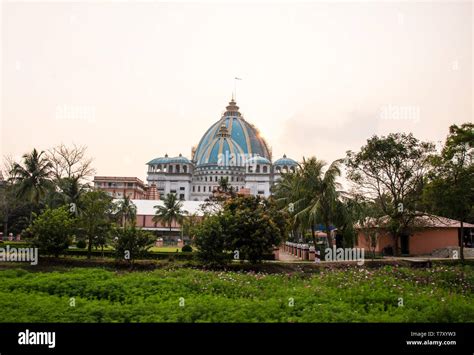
{"x": 387, "y": 294}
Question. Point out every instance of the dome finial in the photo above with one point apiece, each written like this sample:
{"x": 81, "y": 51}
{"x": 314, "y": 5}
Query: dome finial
{"x": 232, "y": 109}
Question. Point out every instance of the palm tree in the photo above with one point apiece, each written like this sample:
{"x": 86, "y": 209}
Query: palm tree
{"x": 323, "y": 192}
{"x": 171, "y": 211}
{"x": 126, "y": 211}
{"x": 33, "y": 177}
{"x": 71, "y": 189}
{"x": 311, "y": 193}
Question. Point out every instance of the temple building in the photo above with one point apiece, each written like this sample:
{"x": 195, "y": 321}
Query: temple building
{"x": 231, "y": 148}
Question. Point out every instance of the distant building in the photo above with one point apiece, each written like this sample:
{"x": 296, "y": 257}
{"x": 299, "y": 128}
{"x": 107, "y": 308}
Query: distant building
{"x": 231, "y": 148}
{"x": 119, "y": 187}
{"x": 434, "y": 232}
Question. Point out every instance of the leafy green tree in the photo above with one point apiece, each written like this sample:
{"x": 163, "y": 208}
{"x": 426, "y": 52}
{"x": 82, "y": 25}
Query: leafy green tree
{"x": 132, "y": 243}
{"x": 14, "y": 212}
{"x": 392, "y": 169}
{"x": 126, "y": 211}
{"x": 251, "y": 227}
{"x": 190, "y": 223}
{"x": 210, "y": 240}
{"x": 33, "y": 177}
{"x": 248, "y": 226}
{"x": 52, "y": 230}
{"x": 171, "y": 211}
{"x": 95, "y": 216}
{"x": 224, "y": 191}
{"x": 450, "y": 188}
{"x": 72, "y": 189}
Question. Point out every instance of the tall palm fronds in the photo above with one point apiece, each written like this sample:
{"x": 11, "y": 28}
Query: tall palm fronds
{"x": 33, "y": 177}
{"x": 171, "y": 211}
{"x": 311, "y": 194}
{"x": 126, "y": 211}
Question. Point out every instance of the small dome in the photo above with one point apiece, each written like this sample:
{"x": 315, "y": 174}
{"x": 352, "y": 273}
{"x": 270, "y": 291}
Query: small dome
{"x": 167, "y": 160}
{"x": 285, "y": 161}
{"x": 259, "y": 160}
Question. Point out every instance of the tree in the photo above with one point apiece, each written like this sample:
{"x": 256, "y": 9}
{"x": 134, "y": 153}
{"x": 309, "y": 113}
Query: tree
{"x": 52, "y": 230}
{"x": 252, "y": 228}
{"x": 70, "y": 191}
{"x": 190, "y": 222}
{"x": 95, "y": 216}
{"x": 311, "y": 194}
{"x": 449, "y": 191}
{"x": 33, "y": 177}
{"x": 369, "y": 221}
{"x": 170, "y": 212}
{"x": 210, "y": 240}
{"x": 132, "y": 243}
{"x": 392, "y": 169}
{"x": 126, "y": 211}
{"x": 70, "y": 163}
{"x": 14, "y": 212}
{"x": 224, "y": 191}
{"x": 248, "y": 226}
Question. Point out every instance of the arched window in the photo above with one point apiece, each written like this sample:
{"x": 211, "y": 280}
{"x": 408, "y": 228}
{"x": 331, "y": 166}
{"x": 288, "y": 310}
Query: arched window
{"x": 178, "y": 168}
{"x": 278, "y": 169}
{"x": 199, "y": 188}
{"x": 185, "y": 169}
{"x": 292, "y": 169}
{"x": 257, "y": 170}
{"x": 170, "y": 168}
{"x": 265, "y": 169}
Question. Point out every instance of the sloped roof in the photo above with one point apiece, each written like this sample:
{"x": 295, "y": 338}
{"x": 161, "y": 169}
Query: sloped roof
{"x": 424, "y": 221}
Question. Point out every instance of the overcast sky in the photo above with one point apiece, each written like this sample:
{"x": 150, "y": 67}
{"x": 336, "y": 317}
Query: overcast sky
{"x": 135, "y": 81}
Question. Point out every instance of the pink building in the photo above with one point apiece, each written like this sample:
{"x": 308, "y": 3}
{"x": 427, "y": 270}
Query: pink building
{"x": 121, "y": 186}
{"x": 434, "y": 233}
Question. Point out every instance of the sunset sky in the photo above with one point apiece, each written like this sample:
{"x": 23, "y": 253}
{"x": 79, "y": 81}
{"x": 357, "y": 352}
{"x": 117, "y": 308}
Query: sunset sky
{"x": 135, "y": 81}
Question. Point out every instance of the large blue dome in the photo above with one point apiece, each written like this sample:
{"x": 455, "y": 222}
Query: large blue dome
{"x": 240, "y": 138}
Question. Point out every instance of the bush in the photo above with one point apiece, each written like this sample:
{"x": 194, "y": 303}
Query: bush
{"x": 187, "y": 248}
{"x": 132, "y": 243}
{"x": 51, "y": 230}
{"x": 248, "y": 225}
{"x": 210, "y": 240}
{"x": 81, "y": 244}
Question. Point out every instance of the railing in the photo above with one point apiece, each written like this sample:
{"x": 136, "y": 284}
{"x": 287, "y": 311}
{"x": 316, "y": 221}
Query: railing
{"x": 302, "y": 251}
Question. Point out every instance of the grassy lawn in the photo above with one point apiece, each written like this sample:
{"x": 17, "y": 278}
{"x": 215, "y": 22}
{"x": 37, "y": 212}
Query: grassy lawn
{"x": 438, "y": 294}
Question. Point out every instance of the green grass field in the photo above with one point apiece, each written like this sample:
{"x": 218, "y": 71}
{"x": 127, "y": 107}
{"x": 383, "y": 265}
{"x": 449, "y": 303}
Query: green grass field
{"x": 438, "y": 294}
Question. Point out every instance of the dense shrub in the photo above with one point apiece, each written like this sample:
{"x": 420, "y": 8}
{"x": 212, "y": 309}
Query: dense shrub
{"x": 247, "y": 228}
{"x": 52, "y": 230}
{"x": 187, "y": 248}
{"x": 81, "y": 244}
{"x": 132, "y": 243}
